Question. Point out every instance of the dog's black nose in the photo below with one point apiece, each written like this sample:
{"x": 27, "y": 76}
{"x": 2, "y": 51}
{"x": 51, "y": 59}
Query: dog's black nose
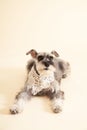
{"x": 46, "y": 64}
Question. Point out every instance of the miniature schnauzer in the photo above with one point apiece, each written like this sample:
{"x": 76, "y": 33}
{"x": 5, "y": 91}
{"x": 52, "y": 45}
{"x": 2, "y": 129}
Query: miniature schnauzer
{"x": 44, "y": 74}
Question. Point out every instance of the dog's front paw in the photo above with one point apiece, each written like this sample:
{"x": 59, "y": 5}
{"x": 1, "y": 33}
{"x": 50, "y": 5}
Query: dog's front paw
{"x": 57, "y": 105}
{"x": 57, "y": 109}
{"x": 15, "y": 109}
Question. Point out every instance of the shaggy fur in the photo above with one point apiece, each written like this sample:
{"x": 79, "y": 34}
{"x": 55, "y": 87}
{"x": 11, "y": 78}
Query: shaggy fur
{"x": 44, "y": 74}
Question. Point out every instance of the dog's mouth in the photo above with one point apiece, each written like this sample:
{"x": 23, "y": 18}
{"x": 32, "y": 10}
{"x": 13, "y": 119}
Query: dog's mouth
{"x": 46, "y": 68}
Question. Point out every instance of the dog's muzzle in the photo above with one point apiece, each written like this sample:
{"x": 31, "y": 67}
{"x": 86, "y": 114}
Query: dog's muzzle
{"x": 47, "y": 64}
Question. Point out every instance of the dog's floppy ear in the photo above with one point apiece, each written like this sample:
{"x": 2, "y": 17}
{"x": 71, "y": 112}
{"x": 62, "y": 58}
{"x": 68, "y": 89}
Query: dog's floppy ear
{"x": 55, "y": 53}
{"x": 32, "y": 52}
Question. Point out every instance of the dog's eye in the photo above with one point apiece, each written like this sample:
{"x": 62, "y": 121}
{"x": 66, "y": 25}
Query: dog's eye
{"x": 40, "y": 58}
{"x": 51, "y": 57}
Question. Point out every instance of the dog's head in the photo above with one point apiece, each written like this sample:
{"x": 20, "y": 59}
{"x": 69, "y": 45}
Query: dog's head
{"x": 43, "y": 60}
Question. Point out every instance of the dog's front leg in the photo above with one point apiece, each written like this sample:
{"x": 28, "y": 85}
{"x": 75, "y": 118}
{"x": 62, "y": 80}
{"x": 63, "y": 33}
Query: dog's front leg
{"x": 20, "y": 101}
{"x": 57, "y": 101}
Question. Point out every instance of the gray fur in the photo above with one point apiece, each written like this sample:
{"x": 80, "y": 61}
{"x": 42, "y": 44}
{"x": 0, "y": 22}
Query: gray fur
{"x": 45, "y": 72}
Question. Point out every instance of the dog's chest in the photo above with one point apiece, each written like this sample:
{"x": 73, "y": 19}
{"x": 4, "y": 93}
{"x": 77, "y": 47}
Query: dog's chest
{"x": 40, "y": 82}
{"x": 46, "y": 79}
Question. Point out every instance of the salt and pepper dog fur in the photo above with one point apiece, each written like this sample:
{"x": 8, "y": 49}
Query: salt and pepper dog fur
{"x": 44, "y": 74}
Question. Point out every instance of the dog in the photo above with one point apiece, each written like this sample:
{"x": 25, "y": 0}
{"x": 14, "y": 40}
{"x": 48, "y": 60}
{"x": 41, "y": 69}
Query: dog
{"x": 44, "y": 74}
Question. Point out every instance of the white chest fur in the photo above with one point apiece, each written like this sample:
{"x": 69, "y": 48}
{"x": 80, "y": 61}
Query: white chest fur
{"x": 46, "y": 79}
{"x": 39, "y": 82}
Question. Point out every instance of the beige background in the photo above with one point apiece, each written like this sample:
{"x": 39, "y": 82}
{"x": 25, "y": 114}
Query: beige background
{"x": 44, "y": 25}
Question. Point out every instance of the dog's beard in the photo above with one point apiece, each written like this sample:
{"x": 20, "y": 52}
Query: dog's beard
{"x": 41, "y": 68}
